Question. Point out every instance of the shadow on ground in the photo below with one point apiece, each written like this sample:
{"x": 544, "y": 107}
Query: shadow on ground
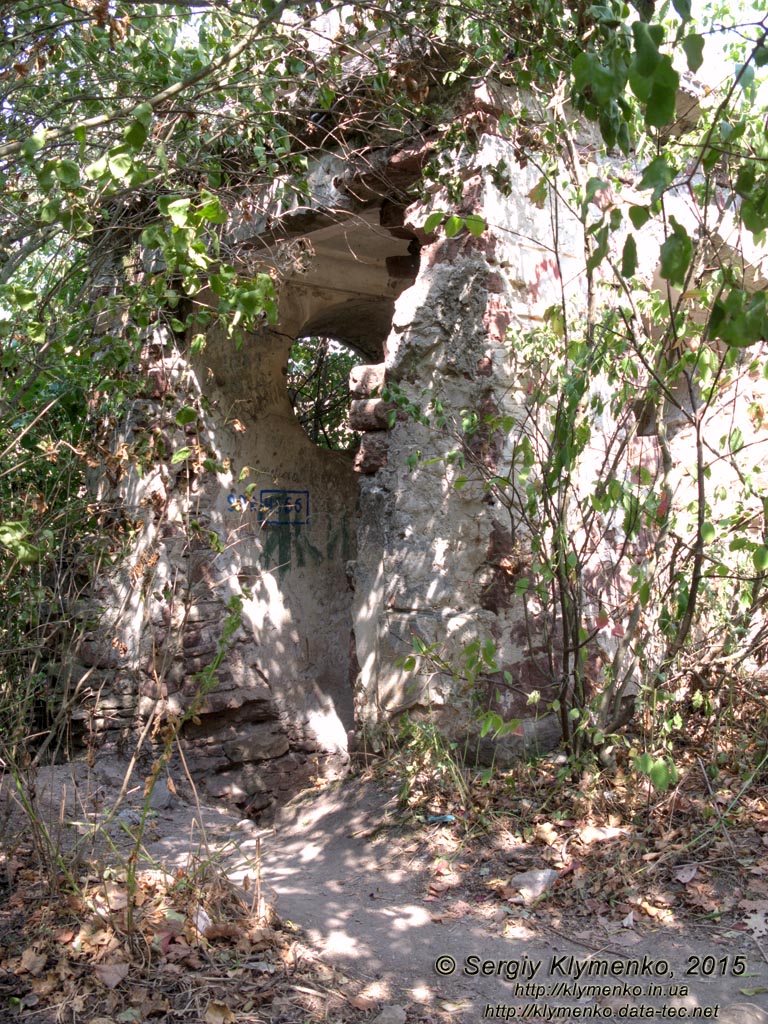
{"x": 340, "y": 866}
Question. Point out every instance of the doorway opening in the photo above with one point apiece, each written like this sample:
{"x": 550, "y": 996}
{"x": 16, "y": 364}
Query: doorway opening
{"x": 318, "y": 387}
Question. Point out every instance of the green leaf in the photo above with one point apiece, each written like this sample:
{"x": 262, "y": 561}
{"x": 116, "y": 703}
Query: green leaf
{"x": 178, "y": 212}
{"x": 644, "y": 763}
{"x": 433, "y": 221}
{"x": 683, "y": 8}
{"x": 629, "y": 257}
{"x": 600, "y": 250}
{"x": 657, "y": 175}
{"x": 143, "y": 113}
{"x": 676, "y": 254}
{"x": 488, "y": 723}
{"x": 249, "y": 300}
{"x": 45, "y": 174}
{"x": 67, "y": 172}
{"x": 707, "y": 532}
{"x": 693, "y": 45}
{"x": 639, "y": 215}
{"x": 186, "y": 415}
{"x": 597, "y": 83}
{"x": 120, "y": 163}
{"x": 50, "y": 210}
{"x": 15, "y": 537}
{"x": 662, "y": 102}
{"x": 180, "y": 456}
{"x": 135, "y": 135}
{"x": 453, "y": 226}
{"x": 663, "y": 774}
{"x": 746, "y": 75}
{"x": 740, "y": 319}
{"x": 760, "y": 558}
{"x": 24, "y": 298}
{"x": 97, "y": 169}
{"x": 475, "y": 224}
{"x": 506, "y": 728}
{"x": 648, "y": 39}
{"x": 211, "y": 209}
{"x": 34, "y": 144}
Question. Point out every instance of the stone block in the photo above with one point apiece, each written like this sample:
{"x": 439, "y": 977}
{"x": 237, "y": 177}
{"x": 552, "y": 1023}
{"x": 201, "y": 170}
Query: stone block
{"x": 244, "y": 704}
{"x": 102, "y": 653}
{"x": 369, "y": 414}
{"x": 372, "y": 454}
{"x": 256, "y": 743}
{"x": 252, "y": 780}
{"x": 365, "y": 380}
{"x": 225, "y": 786}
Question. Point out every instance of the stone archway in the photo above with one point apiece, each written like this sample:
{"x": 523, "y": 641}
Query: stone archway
{"x": 287, "y": 515}
{"x": 246, "y": 532}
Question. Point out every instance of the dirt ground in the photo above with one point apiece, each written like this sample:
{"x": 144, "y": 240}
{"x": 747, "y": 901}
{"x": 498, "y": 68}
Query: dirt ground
{"x": 420, "y": 922}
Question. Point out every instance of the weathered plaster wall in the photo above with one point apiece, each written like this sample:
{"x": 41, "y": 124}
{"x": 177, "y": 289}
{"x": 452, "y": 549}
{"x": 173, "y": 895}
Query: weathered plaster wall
{"x": 256, "y": 513}
{"x": 439, "y": 556}
{"x": 435, "y": 561}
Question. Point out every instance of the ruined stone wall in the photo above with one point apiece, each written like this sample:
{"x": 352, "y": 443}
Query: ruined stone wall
{"x": 341, "y": 561}
{"x": 258, "y": 514}
{"x": 234, "y": 518}
{"x": 438, "y": 555}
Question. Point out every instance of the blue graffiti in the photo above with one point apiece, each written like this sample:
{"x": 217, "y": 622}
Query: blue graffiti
{"x": 284, "y": 508}
{"x": 275, "y": 507}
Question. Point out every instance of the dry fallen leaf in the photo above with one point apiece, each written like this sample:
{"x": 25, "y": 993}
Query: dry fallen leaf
{"x": 757, "y": 920}
{"x": 45, "y": 986}
{"x": 218, "y": 1013}
{"x": 116, "y": 896}
{"x": 546, "y": 832}
{"x": 111, "y": 974}
{"x": 599, "y": 833}
{"x": 32, "y": 962}
{"x": 687, "y": 873}
{"x": 362, "y": 1002}
{"x": 531, "y": 884}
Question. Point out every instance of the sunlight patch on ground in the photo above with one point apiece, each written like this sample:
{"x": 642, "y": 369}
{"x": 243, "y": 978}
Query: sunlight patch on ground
{"x": 409, "y": 917}
{"x": 339, "y": 943}
{"x": 310, "y": 852}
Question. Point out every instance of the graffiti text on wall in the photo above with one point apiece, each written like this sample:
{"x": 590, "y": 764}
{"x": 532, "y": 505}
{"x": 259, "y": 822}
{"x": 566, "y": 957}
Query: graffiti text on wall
{"x": 291, "y": 547}
{"x": 284, "y": 508}
{"x": 275, "y": 507}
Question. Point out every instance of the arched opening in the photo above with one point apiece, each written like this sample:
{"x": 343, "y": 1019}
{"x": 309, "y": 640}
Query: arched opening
{"x": 318, "y": 387}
